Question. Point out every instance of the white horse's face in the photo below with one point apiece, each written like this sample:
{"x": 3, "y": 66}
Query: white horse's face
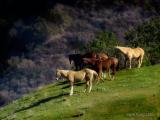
{"x": 58, "y": 74}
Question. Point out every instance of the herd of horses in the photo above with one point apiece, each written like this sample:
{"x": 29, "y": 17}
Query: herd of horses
{"x": 91, "y": 65}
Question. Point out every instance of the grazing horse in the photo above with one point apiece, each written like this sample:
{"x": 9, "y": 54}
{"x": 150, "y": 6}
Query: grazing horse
{"x": 131, "y": 53}
{"x": 106, "y": 65}
{"x": 91, "y": 60}
{"x": 78, "y": 59}
{"x": 103, "y": 65}
{"x": 72, "y": 76}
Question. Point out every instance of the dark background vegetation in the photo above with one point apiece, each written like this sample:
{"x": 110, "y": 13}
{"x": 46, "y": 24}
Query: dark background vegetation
{"x": 37, "y": 35}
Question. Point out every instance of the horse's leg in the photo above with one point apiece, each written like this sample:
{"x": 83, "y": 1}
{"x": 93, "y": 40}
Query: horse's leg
{"x": 114, "y": 71}
{"x": 141, "y": 59}
{"x": 103, "y": 76}
{"x": 90, "y": 83}
{"x": 100, "y": 73}
{"x": 130, "y": 62}
{"x": 139, "y": 62}
{"x": 71, "y": 91}
{"x": 126, "y": 60}
{"x": 108, "y": 72}
{"x": 87, "y": 84}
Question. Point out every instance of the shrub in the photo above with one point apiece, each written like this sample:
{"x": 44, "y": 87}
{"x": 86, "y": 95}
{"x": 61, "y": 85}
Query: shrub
{"x": 103, "y": 42}
{"x": 147, "y": 36}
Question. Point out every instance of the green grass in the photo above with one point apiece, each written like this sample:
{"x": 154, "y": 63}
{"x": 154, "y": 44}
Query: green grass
{"x": 133, "y": 95}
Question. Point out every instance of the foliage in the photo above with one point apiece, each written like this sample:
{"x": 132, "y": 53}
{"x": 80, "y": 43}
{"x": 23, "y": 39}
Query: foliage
{"x": 103, "y": 42}
{"x": 147, "y": 36}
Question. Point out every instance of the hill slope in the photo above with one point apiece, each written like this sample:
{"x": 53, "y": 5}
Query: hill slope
{"x": 135, "y": 94}
{"x": 35, "y": 46}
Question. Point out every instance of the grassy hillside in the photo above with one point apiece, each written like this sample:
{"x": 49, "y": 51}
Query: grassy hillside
{"x": 36, "y": 45}
{"x": 134, "y": 95}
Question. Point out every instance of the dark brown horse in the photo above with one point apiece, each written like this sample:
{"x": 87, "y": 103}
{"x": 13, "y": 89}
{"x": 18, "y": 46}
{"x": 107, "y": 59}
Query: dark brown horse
{"x": 77, "y": 59}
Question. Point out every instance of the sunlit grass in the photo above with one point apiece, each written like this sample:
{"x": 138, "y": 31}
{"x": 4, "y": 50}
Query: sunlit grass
{"x": 133, "y": 95}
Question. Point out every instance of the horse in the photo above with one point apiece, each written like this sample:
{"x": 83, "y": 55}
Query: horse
{"x": 84, "y": 74}
{"x": 131, "y": 53}
{"x": 106, "y": 65}
{"x": 78, "y": 59}
{"x": 91, "y": 60}
{"x": 102, "y": 56}
{"x": 100, "y": 64}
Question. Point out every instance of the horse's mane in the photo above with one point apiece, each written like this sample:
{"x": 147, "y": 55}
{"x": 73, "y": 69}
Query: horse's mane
{"x": 123, "y": 49}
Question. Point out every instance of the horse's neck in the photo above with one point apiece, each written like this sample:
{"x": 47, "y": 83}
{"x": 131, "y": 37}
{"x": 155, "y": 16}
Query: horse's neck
{"x": 124, "y": 49}
{"x": 64, "y": 73}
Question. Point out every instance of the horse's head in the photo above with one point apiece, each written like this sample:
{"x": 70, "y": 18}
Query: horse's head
{"x": 117, "y": 47}
{"x": 58, "y": 74}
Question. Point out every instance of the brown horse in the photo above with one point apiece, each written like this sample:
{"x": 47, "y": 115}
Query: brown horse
{"x": 92, "y": 60}
{"x": 100, "y": 65}
{"x": 72, "y": 76}
{"x": 131, "y": 53}
{"x": 102, "y": 56}
{"x": 106, "y": 65}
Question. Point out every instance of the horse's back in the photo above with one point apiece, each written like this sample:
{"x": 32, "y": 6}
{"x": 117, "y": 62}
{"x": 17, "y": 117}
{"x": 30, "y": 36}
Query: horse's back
{"x": 76, "y": 75}
{"x": 139, "y": 50}
{"x": 102, "y": 56}
{"x": 89, "y": 71}
{"x": 142, "y": 51}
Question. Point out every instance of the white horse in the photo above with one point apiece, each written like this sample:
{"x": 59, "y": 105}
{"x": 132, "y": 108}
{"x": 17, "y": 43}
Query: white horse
{"x": 72, "y": 76}
{"x": 130, "y": 53}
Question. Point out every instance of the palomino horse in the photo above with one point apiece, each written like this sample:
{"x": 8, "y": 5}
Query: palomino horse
{"x": 131, "y": 53}
{"x": 103, "y": 65}
{"x": 72, "y": 76}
